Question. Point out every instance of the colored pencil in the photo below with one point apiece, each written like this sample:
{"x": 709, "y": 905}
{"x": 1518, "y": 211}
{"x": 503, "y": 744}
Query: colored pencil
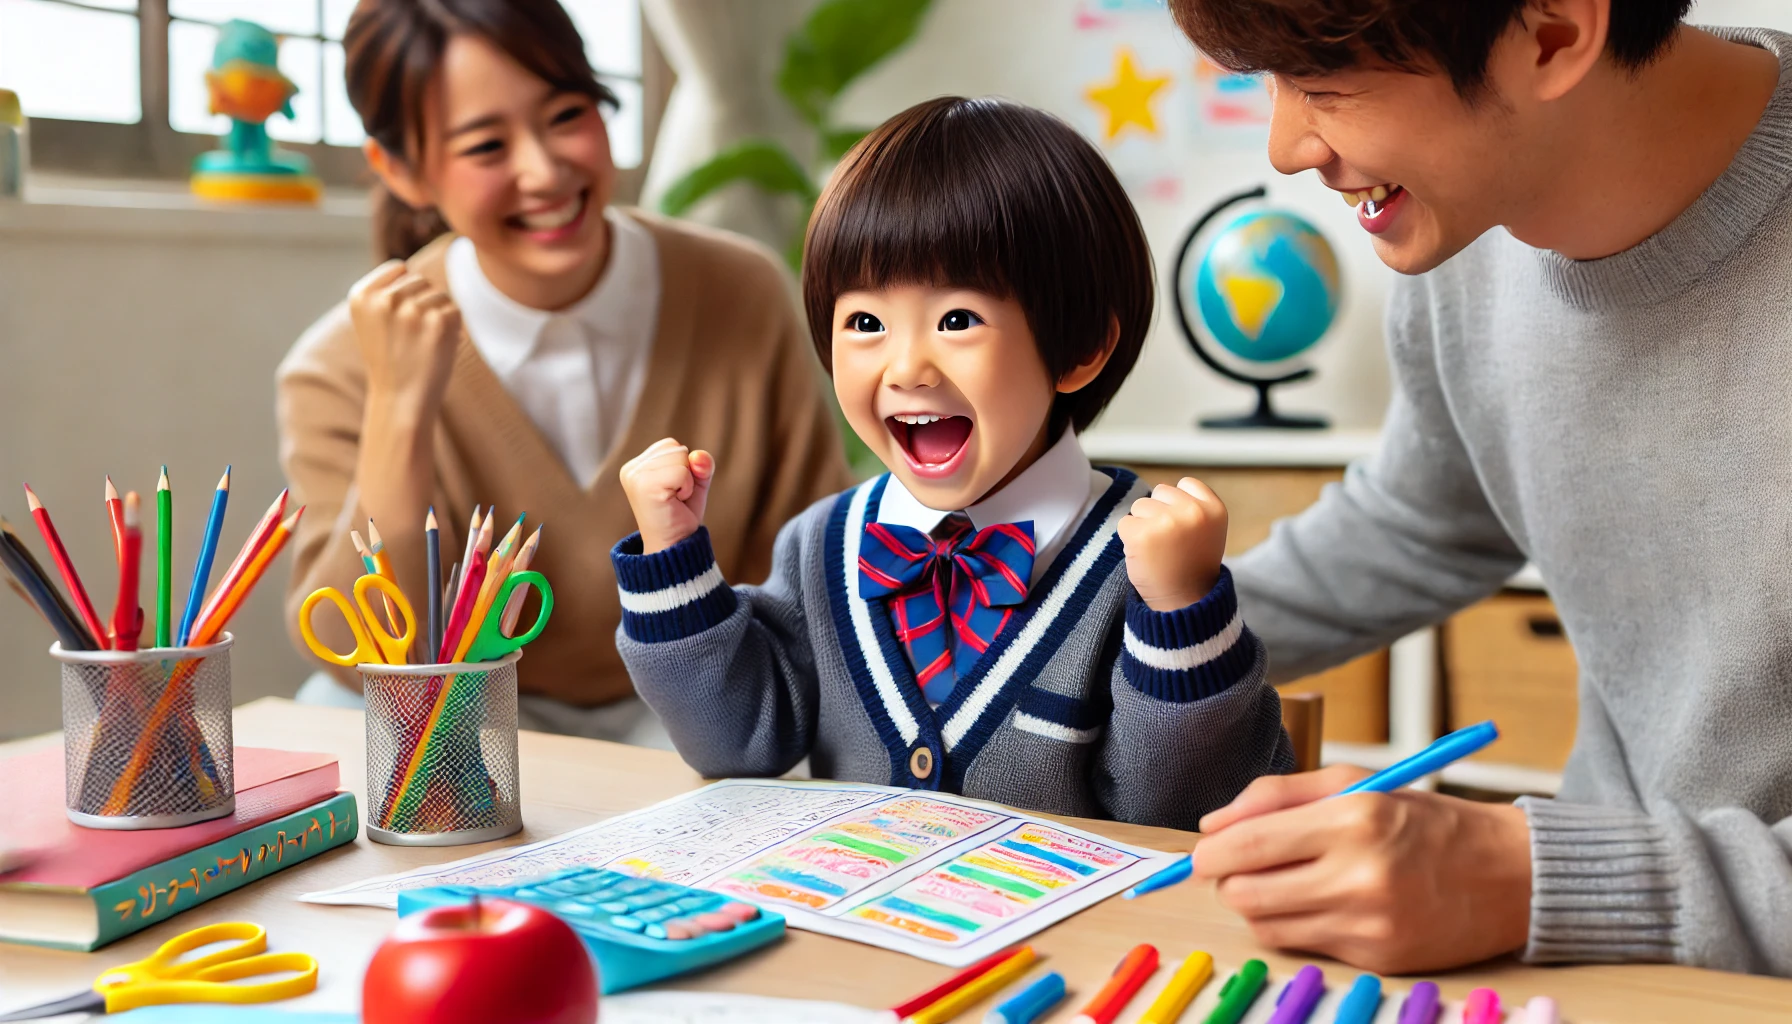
{"x": 514, "y": 609}
{"x": 952, "y": 984}
{"x": 466, "y": 557}
{"x": 496, "y": 572}
{"x": 164, "y": 562}
{"x": 115, "y": 512}
{"x": 127, "y": 613}
{"x": 975, "y": 991}
{"x": 1127, "y": 979}
{"x": 270, "y": 521}
{"x": 463, "y": 607}
{"x": 204, "y": 632}
{"x": 36, "y": 592}
{"x": 208, "y": 553}
{"x": 71, "y": 579}
{"x": 449, "y": 590}
{"x": 35, "y": 568}
{"x": 432, "y": 553}
{"x": 382, "y": 566}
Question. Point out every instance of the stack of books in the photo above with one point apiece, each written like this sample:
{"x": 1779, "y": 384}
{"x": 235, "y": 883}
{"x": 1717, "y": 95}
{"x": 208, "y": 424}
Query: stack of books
{"x": 76, "y": 888}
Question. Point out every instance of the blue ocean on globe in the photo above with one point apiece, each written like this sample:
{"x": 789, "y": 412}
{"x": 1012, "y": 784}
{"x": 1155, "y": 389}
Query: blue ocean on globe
{"x": 1267, "y": 287}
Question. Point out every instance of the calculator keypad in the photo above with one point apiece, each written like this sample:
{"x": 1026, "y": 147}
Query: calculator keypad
{"x": 593, "y": 898}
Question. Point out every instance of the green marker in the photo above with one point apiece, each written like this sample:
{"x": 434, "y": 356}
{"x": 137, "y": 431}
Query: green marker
{"x": 1239, "y": 992}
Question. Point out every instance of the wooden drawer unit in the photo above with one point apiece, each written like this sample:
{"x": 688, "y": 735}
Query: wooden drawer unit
{"x": 1508, "y": 659}
{"x": 1356, "y": 694}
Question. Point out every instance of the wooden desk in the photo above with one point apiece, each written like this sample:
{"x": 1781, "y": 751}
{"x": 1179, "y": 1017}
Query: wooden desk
{"x": 569, "y": 782}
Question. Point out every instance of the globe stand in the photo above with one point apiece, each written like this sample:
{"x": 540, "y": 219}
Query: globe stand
{"x": 1265, "y": 415}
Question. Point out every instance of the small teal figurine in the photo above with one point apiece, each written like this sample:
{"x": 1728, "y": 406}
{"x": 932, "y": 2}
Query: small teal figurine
{"x": 245, "y": 84}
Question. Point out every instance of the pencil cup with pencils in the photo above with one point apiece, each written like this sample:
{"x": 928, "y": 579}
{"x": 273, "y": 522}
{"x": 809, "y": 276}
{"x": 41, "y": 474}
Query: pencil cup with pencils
{"x": 441, "y": 752}
{"x": 146, "y": 736}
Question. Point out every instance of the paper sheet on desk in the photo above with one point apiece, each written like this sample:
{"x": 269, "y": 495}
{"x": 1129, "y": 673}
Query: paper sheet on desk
{"x": 635, "y": 1008}
{"x": 933, "y": 875}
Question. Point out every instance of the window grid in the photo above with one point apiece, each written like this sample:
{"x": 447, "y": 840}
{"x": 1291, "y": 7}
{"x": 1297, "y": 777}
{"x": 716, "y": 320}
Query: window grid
{"x": 156, "y": 21}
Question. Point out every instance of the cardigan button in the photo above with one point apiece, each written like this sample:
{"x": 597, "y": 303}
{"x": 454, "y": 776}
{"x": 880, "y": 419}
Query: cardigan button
{"x": 920, "y": 763}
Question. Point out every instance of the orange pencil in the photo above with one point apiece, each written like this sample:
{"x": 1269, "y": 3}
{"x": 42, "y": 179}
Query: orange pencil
{"x": 127, "y": 614}
{"x": 251, "y": 547}
{"x": 514, "y": 609}
{"x": 211, "y": 625}
{"x": 66, "y": 566}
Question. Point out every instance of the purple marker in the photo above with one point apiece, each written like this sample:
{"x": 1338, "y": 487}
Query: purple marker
{"x": 1420, "y": 1006}
{"x": 1294, "y": 1004}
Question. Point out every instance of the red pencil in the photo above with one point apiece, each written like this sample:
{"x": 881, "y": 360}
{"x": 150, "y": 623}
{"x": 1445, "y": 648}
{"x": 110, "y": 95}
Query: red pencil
{"x": 115, "y": 512}
{"x": 463, "y": 606}
{"x": 953, "y": 984}
{"x": 127, "y": 613}
{"x": 70, "y": 578}
{"x": 252, "y": 546}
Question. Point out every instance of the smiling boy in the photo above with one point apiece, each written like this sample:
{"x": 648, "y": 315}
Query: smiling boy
{"x": 1592, "y": 371}
{"x": 993, "y": 617}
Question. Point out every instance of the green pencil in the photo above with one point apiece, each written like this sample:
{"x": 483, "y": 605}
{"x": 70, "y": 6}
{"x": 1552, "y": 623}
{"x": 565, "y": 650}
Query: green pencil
{"x": 1239, "y": 992}
{"x": 164, "y": 562}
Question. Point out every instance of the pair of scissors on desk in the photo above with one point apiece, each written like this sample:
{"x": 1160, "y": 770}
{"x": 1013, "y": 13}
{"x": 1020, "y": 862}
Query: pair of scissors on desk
{"x": 166, "y": 977}
{"x": 490, "y": 643}
{"x": 374, "y": 643}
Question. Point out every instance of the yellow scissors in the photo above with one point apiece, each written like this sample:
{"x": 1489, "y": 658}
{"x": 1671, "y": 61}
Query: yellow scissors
{"x": 374, "y": 644}
{"x": 166, "y": 977}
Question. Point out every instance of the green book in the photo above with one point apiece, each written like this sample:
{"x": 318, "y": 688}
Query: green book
{"x": 84, "y": 919}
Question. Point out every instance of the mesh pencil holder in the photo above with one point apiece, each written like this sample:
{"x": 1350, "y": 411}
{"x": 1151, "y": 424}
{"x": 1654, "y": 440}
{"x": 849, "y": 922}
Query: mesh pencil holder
{"x": 146, "y": 736}
{"x": 441, "y": 752}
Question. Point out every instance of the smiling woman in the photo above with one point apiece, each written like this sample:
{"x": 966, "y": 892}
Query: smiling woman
{"x": 531, "y": 333}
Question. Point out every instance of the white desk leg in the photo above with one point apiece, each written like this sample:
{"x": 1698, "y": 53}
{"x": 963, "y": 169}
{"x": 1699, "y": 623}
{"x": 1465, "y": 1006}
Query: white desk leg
{"x": 1413, "y": 695}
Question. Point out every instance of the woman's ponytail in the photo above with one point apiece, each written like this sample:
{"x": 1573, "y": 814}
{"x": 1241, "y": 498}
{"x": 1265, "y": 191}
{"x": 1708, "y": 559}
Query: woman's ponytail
{"x": 399, "y": 230}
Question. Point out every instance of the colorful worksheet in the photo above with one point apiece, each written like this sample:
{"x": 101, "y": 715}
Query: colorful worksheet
{"x": 933, "y": 875}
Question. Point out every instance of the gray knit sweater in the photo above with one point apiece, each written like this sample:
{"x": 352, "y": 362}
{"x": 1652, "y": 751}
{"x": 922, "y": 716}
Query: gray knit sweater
{"x": 1087, "y": 703}
{"x": 1626, "y": 424}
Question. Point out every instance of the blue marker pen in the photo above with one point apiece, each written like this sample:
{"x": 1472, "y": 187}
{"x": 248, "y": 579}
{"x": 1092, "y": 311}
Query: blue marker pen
{"x": 1032, "y": 1002}
{"x": 1361, "y": 1002}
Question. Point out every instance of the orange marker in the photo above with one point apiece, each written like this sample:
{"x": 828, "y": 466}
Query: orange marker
{"x": 1128, "y": 978}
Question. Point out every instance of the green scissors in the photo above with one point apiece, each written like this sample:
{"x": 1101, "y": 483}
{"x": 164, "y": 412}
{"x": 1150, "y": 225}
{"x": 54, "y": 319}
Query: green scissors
{"x": 490, "y": 643}
{"x": 166, "y": 977}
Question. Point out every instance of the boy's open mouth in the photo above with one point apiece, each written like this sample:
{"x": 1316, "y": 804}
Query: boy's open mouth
{"x": 931, "y": 441}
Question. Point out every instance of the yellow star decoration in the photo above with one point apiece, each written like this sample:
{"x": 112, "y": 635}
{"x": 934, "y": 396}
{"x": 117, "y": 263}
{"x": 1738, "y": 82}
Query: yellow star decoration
{"x": 1127, "y": 99}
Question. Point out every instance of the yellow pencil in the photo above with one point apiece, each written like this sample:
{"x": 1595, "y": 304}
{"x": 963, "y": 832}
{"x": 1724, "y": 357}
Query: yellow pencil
{"x": 977, "y": 990}
{"x": 1188, "y": 980}
{"x": 382, "y": 565}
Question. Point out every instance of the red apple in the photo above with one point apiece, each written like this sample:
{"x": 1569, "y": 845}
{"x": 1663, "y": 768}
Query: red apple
{"x": 481, "y": 963}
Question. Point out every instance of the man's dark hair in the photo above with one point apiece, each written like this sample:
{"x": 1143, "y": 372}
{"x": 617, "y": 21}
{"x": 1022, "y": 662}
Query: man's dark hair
{"x": 1456, "y": 37}
{"x": 999, "y": 198}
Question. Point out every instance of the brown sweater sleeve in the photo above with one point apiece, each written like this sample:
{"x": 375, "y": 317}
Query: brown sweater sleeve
{"x": 807, "y": 462}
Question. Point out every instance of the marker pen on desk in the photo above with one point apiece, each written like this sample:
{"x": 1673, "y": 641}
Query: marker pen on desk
{"x": 1294, "y": 1004}
{"x": 1188, "y": 980}
{"x": 1125, "y": 983}
{"x": 1239, "y": 992}
{"x": 1420, "y": 1006}
{"x": 1361, "y": 1002}
{"x": 1032, "y": 1002}
{"x": 1541, "y": 1010}
{"x": 1482, "y": 1007}
{"x": 1436, "y": 757}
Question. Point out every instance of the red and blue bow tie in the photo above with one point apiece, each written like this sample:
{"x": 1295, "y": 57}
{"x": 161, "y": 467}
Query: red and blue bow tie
{"x": 971, "y": 580}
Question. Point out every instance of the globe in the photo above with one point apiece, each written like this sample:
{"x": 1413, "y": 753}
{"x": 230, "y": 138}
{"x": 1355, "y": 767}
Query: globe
{"x": 1267, "y": 287}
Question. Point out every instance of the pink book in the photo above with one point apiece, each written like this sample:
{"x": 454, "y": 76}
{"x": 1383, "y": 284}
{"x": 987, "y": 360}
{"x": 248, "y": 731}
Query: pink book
{"x": 49, "y": 851}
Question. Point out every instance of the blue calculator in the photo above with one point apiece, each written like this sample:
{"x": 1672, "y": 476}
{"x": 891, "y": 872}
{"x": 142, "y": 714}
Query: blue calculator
{"x": 638, "y": 929}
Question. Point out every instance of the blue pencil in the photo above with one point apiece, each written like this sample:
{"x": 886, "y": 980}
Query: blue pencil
{"x": 208, "y": 550}
{"x": 1439, "y": 755}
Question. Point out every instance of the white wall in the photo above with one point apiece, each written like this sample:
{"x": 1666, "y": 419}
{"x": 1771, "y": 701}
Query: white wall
{"x": 131, "y": 336}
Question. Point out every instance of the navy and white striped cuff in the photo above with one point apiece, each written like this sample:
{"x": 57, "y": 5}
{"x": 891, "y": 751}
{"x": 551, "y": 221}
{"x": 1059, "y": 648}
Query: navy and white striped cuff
{"x": 1190, "y": 653}
{"x": 670, "y": 594}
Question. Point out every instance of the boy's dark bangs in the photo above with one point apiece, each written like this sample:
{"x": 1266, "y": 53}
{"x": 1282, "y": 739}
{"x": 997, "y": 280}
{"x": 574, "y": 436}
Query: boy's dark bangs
{"x": 902, "y": 239}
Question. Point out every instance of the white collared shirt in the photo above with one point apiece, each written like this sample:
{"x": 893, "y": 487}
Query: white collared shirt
{"x": 577, "y": 372}
{"x": 1055, "y": 492}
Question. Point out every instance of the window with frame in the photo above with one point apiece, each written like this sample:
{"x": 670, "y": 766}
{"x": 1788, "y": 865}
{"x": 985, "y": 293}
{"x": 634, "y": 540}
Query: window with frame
{"x": 117, "y": 87}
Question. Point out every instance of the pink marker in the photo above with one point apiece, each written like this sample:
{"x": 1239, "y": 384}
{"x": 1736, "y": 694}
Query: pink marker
{"x": 1482, "y": 1007}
